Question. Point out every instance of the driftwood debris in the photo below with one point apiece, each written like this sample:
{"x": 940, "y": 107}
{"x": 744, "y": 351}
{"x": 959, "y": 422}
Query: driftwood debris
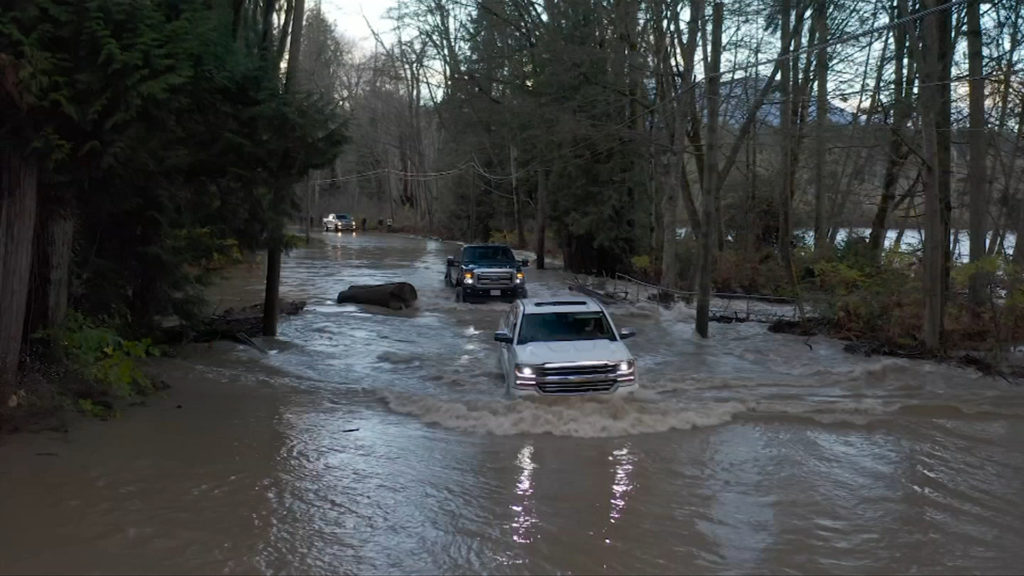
{"x": 239, "y": 324}
{"x": 603, "y": 296}
{"x": 809, "y": 327}
{"x": 246, "y": 320}
{"x": 394, "y": 295}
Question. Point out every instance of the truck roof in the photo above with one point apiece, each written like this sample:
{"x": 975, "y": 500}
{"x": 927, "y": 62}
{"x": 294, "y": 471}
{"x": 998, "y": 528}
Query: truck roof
{"x": 566, "y": 304}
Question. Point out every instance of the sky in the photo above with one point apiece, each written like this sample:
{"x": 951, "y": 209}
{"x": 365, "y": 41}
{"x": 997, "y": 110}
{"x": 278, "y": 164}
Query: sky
{"x": 348, "y": 16}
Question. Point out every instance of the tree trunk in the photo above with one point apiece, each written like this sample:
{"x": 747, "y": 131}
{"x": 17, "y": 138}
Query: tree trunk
{"x": 669, "y": 212}
{"x": 944, "y": 135}
{"x": 846, "y": 185}
{"x": 270, "y": 296}
{"x": 1018, "y": 215}
{"x": 542, "y": 216}
{"x": 276, "y": 245}
{"x": 936, "y": 240}
{"x": 977, "y": 179}
{"x": 674, "y": 181}
{"x": 785, "y": 197}
{"x": 282, "y": 40}
{"x": 1009, "y": 214}
{"x": 292, "y": 75}
{"x": 18, "y": 190}
{"x": 307, "y": 220}
{"x": 710, "y": 173}
{"x": 516, "y": 203}
{"x": 821, "y": 118}
{"x": 48, "y": 298}
{"x": 898, "y": 152}
{"x": 267, "y": 30}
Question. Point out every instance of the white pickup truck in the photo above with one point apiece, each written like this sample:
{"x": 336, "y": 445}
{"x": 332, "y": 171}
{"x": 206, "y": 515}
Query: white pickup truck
{"x": 564, "y": 347}
{"x": 339, "y": 222}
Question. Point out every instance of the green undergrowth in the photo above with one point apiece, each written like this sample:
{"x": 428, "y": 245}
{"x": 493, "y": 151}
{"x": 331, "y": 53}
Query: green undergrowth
{"x": 82, "y": 366}
{"x": 882, "y": 303}
{"x": 849, "y": 293}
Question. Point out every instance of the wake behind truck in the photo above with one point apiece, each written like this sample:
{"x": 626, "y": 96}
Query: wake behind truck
{"x": 484, "y": 271}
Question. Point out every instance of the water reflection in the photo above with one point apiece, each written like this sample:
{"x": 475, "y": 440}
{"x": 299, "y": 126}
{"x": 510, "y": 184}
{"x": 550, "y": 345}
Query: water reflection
{"x": 622, "y": 485}
{"x": 523, "y": 525}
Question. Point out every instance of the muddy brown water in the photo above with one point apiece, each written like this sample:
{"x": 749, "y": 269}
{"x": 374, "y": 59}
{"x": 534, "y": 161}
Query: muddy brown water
{"x": 371, "y": 442}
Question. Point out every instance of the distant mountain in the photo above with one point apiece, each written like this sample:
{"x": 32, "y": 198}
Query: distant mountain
{"x": 739, "y": 94}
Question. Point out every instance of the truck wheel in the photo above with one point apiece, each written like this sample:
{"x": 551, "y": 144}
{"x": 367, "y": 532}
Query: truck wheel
{"x": 523, "y": 293}
{"x": 458, "y": 295}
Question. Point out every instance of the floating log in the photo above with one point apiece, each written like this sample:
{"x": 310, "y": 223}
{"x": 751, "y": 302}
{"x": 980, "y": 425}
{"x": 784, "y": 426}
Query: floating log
{"x": 395, "y": 295}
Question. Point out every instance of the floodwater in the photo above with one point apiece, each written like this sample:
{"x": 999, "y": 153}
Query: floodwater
{"x": 380, "y": 442}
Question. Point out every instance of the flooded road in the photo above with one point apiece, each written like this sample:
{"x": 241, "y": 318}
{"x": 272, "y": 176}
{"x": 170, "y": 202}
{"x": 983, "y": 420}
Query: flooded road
{"x": 380, "y": 442}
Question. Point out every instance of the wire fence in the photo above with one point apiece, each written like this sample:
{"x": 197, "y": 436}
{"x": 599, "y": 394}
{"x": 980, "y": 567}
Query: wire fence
{"x": 725, "y": 306}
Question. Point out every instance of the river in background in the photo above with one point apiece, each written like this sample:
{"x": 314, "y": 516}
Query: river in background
{"x": 912, "y": 239}
{"x": 380, "y": 442}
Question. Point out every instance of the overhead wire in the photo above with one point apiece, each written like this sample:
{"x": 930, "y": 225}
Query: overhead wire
{"x": 533, "y": 166}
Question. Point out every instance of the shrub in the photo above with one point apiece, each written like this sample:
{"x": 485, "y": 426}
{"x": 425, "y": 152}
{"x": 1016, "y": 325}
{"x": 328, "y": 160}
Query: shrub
{"x": 97, "y": 354}
{"x": 878, "y": 303}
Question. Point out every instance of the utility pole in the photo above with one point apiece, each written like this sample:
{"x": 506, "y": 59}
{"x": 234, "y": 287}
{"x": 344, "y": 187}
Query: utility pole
{"x": 707, "y": 240}
{"x": 516, "y": 209}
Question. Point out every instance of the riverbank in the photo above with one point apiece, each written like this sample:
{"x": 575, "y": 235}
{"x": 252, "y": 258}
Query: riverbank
{"x": 55, "y": 394}
{"x": 1009, "y": 365}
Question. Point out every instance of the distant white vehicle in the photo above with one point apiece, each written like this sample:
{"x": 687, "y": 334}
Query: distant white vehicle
{"x": 564, "y": 347}
{"x": 338, "y": 222}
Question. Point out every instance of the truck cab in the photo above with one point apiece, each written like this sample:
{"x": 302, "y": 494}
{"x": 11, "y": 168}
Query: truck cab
{"x": 486, "y": 271}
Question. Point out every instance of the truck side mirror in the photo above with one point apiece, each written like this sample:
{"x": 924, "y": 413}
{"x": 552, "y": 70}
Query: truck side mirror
{"x": 450, "y": 261}
{"x": 503, "y": 337}
{"x": 626, "y": 333}
{"x": 525, "y": 262}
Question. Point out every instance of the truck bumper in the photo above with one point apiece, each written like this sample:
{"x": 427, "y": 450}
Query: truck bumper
{"x": 621, "y": 389}
{"x": 493, "y": 291}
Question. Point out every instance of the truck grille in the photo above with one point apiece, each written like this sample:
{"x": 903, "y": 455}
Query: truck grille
{"x": 569, "y": 388}
{"x": 502, "y": 278}
{"x": 577, "y": 378}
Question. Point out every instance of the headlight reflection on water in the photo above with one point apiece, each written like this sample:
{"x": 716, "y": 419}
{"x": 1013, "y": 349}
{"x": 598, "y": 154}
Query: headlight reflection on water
{"x": 522, "y": 525}
{"x": 622, "y": 485}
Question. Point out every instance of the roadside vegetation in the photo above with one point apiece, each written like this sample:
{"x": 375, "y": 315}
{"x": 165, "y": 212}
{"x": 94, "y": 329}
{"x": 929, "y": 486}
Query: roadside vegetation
{"x": 144, "y": 146}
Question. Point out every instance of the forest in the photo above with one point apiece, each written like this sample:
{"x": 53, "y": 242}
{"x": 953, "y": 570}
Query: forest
{"x": 833, "y": 151}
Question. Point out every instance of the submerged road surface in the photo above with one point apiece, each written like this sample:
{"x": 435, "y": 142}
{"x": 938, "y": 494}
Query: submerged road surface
{"x": 380, "y": 442}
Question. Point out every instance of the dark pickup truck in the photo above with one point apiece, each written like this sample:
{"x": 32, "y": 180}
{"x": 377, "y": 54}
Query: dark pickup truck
{"x": 486, "y": 270}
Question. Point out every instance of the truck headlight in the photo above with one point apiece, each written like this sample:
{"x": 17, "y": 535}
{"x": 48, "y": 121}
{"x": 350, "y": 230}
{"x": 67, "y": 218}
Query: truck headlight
{"x": 520, "y": 277}
{"x": 525, "y": 371}
{"x": 467, "y": 277}
{"x": 627, "y": 366}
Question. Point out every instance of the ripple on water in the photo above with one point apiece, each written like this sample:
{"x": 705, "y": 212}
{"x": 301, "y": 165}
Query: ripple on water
{"x": 579, "y": 417}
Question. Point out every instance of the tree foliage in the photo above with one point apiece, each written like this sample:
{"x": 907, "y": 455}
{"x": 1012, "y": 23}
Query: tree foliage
{"x": 161, "y": 130}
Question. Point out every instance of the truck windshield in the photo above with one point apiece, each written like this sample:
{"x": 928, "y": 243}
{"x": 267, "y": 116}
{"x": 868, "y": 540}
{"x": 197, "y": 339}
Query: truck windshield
{"x": 487, "y": 253}
{"x": 565, "y": 326}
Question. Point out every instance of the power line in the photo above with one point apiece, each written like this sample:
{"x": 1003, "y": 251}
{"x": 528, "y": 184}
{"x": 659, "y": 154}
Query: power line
{"x": 781, "y": 58}
{"x": 787, "y": 57}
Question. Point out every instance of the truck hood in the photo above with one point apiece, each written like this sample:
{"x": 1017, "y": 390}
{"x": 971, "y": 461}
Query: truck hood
{"x": 490, "y": 265}
{"x": 574, "y": 351}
